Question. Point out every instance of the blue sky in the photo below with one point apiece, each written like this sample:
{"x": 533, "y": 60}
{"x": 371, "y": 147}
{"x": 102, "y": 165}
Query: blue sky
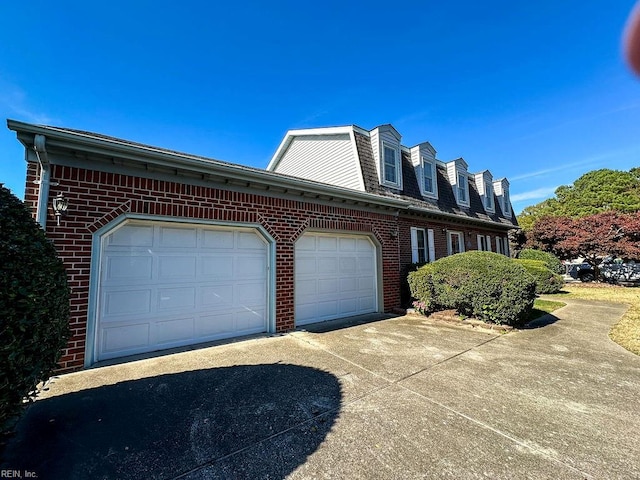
{"x": 534, "y": 91}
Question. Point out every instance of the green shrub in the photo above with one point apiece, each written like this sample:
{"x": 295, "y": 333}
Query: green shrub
{"x": 484, "y": 285}
{"x": 546, "y": 280}
{"x": 552, "y": 262}
{"x": 405, "y": 292}
{"x": 34, "y": 306}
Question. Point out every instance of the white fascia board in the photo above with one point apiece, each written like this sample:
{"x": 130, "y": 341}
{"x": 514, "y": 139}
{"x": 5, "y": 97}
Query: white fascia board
{"x": 427, "y": 146}
{"x": 291, "y": 134}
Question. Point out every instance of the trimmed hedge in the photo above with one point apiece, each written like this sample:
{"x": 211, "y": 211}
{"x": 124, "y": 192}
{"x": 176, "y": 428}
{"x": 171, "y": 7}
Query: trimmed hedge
{"x": 34, "y": 306}
{"x": 484, "y": 285}
{"x": 546, "y": 280}
{"x": 552, "y": 262}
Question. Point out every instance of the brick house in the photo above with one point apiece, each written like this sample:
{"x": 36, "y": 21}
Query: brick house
{"x": 165, "y": 249}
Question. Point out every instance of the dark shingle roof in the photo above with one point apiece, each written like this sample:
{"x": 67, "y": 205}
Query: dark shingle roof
{"x": 446, "y": 201}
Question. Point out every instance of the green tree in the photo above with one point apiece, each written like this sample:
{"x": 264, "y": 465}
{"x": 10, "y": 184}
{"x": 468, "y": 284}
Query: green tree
{"x": 594, "y": 192}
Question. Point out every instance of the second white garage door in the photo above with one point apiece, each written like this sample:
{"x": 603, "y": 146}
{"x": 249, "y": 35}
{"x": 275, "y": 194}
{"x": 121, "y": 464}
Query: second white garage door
{"x": 335, "y": 276}
{"x": 164, "y": 285}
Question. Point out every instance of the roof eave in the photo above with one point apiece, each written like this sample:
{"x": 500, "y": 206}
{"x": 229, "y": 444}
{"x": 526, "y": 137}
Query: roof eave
{"x": 148, "y": 155}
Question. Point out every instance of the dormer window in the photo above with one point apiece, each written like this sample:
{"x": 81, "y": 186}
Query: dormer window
{"x": 501, "y": 188}
{"x": 507, "y": 206}
{"x": 423, "y": 159}
{"x": 391, "y": 164}
{"x": 463, "y": 188}
{"x": 428, "y": 176}
{"x": 488, "y": 198}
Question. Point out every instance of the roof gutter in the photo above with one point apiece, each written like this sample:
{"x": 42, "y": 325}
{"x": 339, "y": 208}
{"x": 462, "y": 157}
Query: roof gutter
{"x": 422, "y": 211}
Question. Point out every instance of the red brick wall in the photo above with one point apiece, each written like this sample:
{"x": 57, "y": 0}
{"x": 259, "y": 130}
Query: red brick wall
{"x": 96, "y": 198}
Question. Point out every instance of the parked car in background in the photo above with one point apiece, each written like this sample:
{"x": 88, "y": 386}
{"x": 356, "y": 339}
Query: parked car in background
{"x": 611, "y": 271}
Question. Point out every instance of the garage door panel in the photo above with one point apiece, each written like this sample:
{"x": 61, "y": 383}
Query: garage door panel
{"x": 169, "y": 285}
{"x": 327, "y": 244}
{"x": 134, "y": 268}
{"x": 327, "y": 285}
{"x": 328, "y": 265}
{"x": 177, "y": 237}
{"x": 250, "y": 319}
{"x": 174, "y": 330}
{"x": 176, "y": 298}
{"x": 216, "y": 266}
{"x": 127, "y": 302}
{"x": 249, "y": 293}
{"x": 132, "y": 235}
{"x": 217, "y": 295}
{"x": 307, "y": 287}
{"x": 176, "y": 267}
{"x": 335, "y": 276}
{"x": 306, "y": 265}
{"x": 348, "y": 266}
{"x": 349, "y": 306}
{"x": 347, "y": 244}
{"x": 250, "y": 267}
{"x": 218, "y": 239}
{"x": 250, "y": 241}
{"x": 125, "y": 338}
{"x": 366, "y": 303}
{"x": 327, "y": 309}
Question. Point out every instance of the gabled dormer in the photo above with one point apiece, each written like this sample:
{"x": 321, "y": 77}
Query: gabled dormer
{"x": 459, "y": 179}
{"x": 501, "y": 188}
{"x": 385, "y": 143}
{"x": 484, "y": 184}
{"x": 423, "y": 158}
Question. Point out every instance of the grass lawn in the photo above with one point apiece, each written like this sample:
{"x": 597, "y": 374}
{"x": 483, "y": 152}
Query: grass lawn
{"x": 542, "y": 307}
{"x": 627, "y": 331}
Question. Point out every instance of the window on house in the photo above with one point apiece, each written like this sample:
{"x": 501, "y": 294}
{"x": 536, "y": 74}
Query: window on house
{"x": 488, "y": 197}
{"x": 427, "y": 174}
{"x": 455, "y": 242}
{"x": 502, "y": 246}
{"x": 390, "y": 164}
{"x": 422, "y": 245}
{"x": 482, "y": 243}
{"x": 462, "y": 188}
{"x": 507, "y": 205}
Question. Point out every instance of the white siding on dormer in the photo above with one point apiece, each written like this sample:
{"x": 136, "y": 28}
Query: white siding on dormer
{"x": 458, "y": 169}
{"x": 322, "y": 158}
{"x": 484, "y": 180}
{"x": 419, "y": 154}
{"x": 379, "y": 136}
{"x": 501, "y": 189}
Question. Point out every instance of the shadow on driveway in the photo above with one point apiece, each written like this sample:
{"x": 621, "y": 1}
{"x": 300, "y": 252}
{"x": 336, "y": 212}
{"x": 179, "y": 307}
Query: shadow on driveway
{"x": 250, "y": 421}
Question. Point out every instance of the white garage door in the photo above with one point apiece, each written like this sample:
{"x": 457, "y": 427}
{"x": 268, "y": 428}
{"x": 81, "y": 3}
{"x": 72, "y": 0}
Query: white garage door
{"x": 335, "y": 277}
{"x": 164, "y": 285}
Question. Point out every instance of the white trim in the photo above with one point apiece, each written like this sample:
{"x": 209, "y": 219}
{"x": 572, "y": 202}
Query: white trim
{"x": 488, "y": 238}
{"x": 434, "y": 181}
{"x": 432, "y": 246}
{"x": 398, "y": 165}
{"x": 415, "y": 249}
{"x": 460, "y": 235}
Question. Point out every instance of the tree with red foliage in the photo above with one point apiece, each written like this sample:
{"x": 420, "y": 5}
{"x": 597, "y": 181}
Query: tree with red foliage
{"x": 592, "y": 237}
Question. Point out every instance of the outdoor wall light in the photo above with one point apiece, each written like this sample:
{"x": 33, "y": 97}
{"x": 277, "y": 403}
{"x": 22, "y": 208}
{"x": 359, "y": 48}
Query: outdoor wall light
{"x": 60, "y": 204}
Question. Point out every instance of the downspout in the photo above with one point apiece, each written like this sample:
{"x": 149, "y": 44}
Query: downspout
{"x": 45, "y": 176}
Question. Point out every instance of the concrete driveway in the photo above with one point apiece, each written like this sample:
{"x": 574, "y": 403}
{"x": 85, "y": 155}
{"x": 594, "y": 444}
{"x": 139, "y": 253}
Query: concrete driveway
{"x": 395, "y": 398}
